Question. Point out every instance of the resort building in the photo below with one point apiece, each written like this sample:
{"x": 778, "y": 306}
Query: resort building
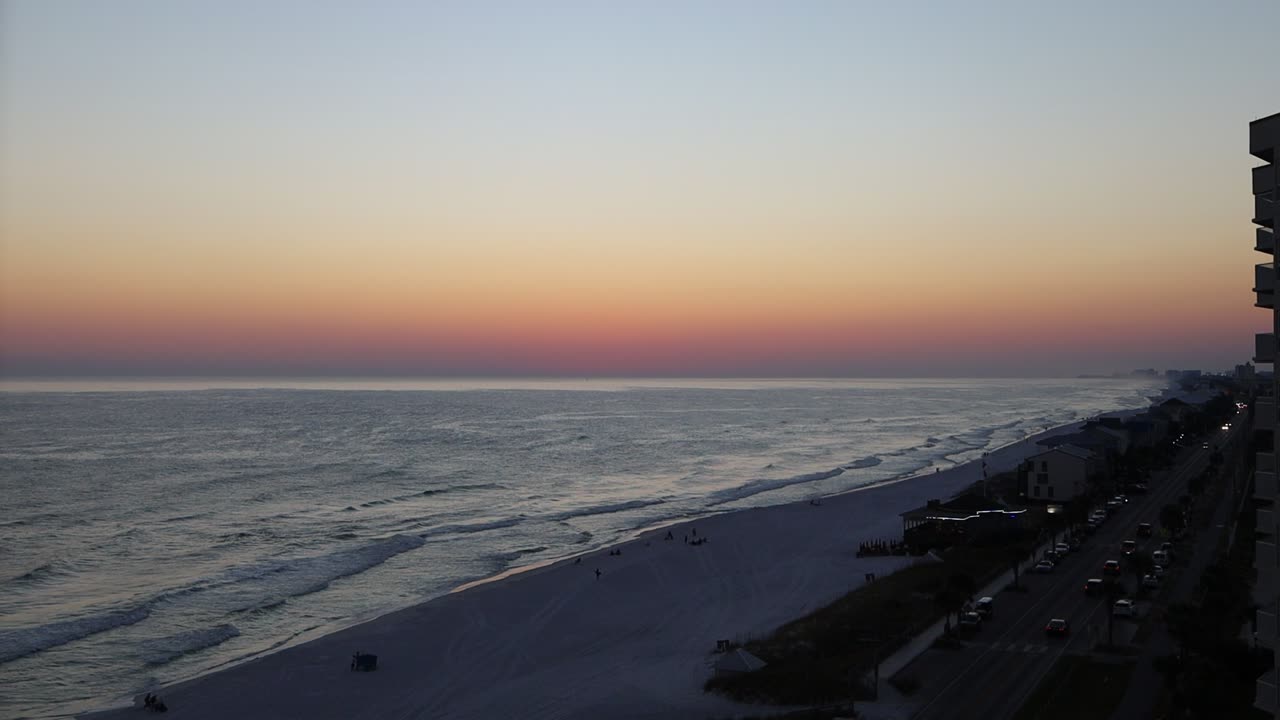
{"x": 1263, "y": 137}
{"x": 1060, "y": 474}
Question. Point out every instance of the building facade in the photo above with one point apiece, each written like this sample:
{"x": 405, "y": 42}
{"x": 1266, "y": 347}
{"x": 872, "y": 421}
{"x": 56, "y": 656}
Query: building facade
{"x": 1060, "y": 474}
{"x": 1263, "y": 135}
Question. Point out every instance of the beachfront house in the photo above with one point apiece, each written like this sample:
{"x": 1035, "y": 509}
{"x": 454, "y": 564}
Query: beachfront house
{"x": 1059, "y": 474}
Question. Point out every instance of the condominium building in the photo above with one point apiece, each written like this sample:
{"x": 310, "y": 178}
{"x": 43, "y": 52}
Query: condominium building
{"x": 1264, "y": 135}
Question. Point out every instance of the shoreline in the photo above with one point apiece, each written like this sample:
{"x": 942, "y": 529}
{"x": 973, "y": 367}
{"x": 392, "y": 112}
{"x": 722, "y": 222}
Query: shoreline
{"x": 499, "y": 599}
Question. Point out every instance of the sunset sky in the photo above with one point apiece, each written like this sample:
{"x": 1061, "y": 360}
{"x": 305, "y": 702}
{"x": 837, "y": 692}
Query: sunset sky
{"x": 627, "y": 188}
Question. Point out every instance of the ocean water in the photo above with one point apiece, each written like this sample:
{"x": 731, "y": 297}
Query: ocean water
{"x": 152, "y": 532}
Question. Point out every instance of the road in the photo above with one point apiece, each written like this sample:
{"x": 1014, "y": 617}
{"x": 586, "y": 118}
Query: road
{"x": 1004, "y": 662}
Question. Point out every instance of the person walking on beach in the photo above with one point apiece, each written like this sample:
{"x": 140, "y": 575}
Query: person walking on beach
{"x": 598, "y": 573}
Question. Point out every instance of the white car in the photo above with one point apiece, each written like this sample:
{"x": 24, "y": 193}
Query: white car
{"x": 1123, "y": 608}
{"x": 1044, "y": 566}
{"x": 1150, "y": 581}
{"x": 1062, "y": 548}
{"x": 1157, "y": 570}
{"x": 1160, "y": 557}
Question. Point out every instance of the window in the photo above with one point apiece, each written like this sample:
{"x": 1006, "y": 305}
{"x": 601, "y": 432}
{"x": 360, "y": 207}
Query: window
{"x": 1044, "y": 466}
{"x": 1042, "y": 478}
{"x": 1050, "y": 491}
{"x": 1036, "y": 490}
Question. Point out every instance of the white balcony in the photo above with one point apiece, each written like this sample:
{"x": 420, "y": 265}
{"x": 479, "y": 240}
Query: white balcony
{"x": 1264, "y": 284}
{"x": 1264, "y": 414}
{"x": 1266, "y": 629}
{"x": 1264, "y": 135}
{"x": 1264, "y": 693}
{"x": 1264, "y": 179}
{"x": 1264, "y": 347}
{"x": 1264, "y": 211}
{"x": 1265, "y": 521}
{"x": 1265, "y": 241}
{"x": 1264, "y": 560}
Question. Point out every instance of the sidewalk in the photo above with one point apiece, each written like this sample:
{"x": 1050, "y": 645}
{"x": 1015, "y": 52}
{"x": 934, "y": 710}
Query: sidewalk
{"x": 893, "y": 705}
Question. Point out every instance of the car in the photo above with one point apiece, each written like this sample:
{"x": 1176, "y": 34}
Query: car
{"x": 1111, "y": 567}
{"x": 1113, "y": 505}
{"x": 1123, "y": 608}
{"x": 1052, "y": 556}
{"x": 1122, "y": 499}
{"x": 1144, "y": 530}
{"x": 1137, "y": 488}
{"x": 1044, "y": 566}
{"x": 1160, "y": 557}
{"x": 1167, "y": 547}
{"x": 1092, "y": 586}
{"x": 1150, "y": 581}
{"x": 1226, "y": 426}
{"x": 1128, "y": 547}
{"x": 1157, "y": 570}
{"x": 985, "y": 606}
{"x": 970, "y": 620}
{"x": 1205, "y": 446}
{"x": 1057, "y": 626}
{"x": 1062, "y": 548}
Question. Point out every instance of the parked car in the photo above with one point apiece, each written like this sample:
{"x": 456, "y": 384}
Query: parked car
{"x": 1111, "y": 567}
{"x": 1123, "y": 608}
{"x": 1160, "y": 557}
{"x": 1150, "y": 581}
{"x": 985, "y": 607}
{"x": 1044, "y": 566}
{"x": 1137, "y": 488}
{"x": 1058, "y": 626}
{"x": 1092, "y": 586}
{"x": 1144, "y": 529}
{"x": 1062, "y": 548}
{"x": 1052, "y": 556}
{"x": 970, "y": 621}
{"x": 1167, "y": 547}
{"x": 1128, "y": 547}
{"x": 1157, "y": 570}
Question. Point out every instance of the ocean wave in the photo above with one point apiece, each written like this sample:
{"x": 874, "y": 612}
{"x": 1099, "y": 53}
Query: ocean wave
{"x": 756, "y": 487}
{"x": 25, "y": 641}
{"x": 504, "y": 559}
{"x": 168, "y": 649}
{"x": 866, "y": 462}
{"x": 424, "y": 493}
{"x": 606, "y": 509}
{"x": 39, "y": 574}
{"x": 466, "y": 528}
{"x": 305, "y": 575}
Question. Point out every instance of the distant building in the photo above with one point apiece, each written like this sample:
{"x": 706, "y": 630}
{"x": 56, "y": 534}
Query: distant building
{"x": 1264, "y": 135}
{"x": 1244, "y": 373}
{"x": 1060, "y": 474}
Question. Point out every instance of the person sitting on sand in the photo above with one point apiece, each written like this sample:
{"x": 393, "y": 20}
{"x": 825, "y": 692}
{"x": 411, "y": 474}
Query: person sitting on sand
{"x": 148, "y": 701}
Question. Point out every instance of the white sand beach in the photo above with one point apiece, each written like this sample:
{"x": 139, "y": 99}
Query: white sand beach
{"x": 558, "y": 642}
